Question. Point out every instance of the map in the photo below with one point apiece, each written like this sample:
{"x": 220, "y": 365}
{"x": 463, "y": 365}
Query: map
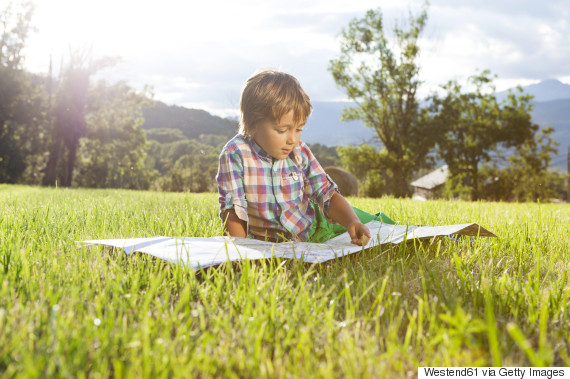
{"x": 196, "y": 252}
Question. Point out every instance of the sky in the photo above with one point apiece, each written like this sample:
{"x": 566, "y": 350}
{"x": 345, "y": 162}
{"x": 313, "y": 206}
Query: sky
{"x": 198, "y": 54}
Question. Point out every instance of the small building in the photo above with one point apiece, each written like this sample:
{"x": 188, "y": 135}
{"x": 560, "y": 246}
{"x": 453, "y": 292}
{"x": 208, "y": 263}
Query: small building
{"x": 429, "y": 186}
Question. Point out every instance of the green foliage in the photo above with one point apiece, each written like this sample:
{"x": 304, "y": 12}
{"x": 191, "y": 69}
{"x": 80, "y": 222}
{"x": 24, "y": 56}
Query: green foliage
{"x": 327, "y": 156}
{"x": 529, "y": 174}
{"x": 113, "y": 154}
{"x": 22, "y": 123}
{"x": 366, "y": 162}
{"x": 186, "y": 165}
{"x": 22, "y": 108}
{"x": 73, "y": 103}
{"x": 68, "y": 310}
{"x": 215, "y": 140}
{"x": 527, "y": 178}
{"x": 384, "y": 82}
{"x": 164, "y": 135}
{"x": 15, "y": 25}
{"x": 473, "y": 128}
{"x": 469, "y": 125}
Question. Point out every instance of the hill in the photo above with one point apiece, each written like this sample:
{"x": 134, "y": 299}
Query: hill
{"x": 546, "y": 90}
{"x": 556, "y": 113}
{"x": 191, "y": 122}
{"x": 324, "y": 126}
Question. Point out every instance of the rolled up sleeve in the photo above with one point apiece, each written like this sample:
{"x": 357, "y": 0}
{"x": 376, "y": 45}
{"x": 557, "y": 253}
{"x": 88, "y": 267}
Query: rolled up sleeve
{"x": 230, "y": 184}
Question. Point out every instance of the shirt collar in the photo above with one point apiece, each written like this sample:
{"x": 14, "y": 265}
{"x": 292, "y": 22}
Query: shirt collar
{"x": 258, "y": 150}
{"x": 263, "y": 155}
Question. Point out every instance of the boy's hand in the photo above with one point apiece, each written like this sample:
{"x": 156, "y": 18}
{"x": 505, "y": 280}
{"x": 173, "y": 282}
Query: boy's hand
{"x": 359, "y": 233}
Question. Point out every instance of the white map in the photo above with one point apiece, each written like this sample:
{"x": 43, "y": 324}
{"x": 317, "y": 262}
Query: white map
{"x": 196, "y": 252}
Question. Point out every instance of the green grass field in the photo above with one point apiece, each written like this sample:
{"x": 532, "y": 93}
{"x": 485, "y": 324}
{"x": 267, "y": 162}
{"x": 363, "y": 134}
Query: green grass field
{"x": 73, "y": 311}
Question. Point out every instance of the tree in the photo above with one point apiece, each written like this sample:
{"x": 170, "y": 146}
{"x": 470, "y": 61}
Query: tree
{"x": 366, "y": 162}
{"x": 528, "y": 177}
{"x": 164, "y": 135}
{"x": 529, "y": 173}
{"x": 383, "y": 83}
{"x": 112, "y": 153}
{"x": 70, "y": 112}
{"x": 21, "y": 102}
{"x": 186, "y": 165}
{"x": 472, "y": 126}
{"x": 15, "y": 21}
{"x": 327, "y": 156}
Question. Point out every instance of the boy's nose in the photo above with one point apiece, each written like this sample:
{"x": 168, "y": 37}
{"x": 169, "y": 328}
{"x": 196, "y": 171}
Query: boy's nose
{"x": 291, "y": 138}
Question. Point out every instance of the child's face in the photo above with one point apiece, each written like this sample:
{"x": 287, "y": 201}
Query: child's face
{"x": 278, "y": 138}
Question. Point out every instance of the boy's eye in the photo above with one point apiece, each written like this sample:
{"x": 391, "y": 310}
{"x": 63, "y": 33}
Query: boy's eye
{"x": 281, "y": 131}
{"x": 299, "y": 130}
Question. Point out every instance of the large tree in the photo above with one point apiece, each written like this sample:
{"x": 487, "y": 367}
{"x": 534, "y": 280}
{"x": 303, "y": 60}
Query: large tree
{"x": 473, "y": 126}
{"x": 15, "y": 24}
{"x": 112, "y": 153}
{"x": 21, "y": 102}
{"x": 72, "y": 104}
{"x": 527, "y": 177}
{"x": 383, "y": 82}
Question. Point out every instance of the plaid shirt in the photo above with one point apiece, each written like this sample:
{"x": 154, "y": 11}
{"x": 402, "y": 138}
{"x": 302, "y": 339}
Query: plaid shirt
{"x": 272, "y": 195}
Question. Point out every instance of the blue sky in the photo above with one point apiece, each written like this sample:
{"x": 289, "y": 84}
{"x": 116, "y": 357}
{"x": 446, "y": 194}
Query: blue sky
{"x": 198, "y": 53}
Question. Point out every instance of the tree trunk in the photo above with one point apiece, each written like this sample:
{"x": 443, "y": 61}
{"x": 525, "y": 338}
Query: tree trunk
{"x": 50, "y": 171}
{"x": 474, "y": 179}
{"x": 399, "y": 185}
{"x": 71, "y": 158}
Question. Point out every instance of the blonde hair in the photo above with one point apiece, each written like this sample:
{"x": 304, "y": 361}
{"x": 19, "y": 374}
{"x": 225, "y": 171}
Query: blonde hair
{"x": 267, "y": 96}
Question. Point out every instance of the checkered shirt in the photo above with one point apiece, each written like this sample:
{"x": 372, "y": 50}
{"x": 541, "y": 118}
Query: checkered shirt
{"x": 272, "y": 195}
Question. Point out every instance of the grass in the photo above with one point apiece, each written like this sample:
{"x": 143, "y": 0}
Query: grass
{"x": 72, "y": 311}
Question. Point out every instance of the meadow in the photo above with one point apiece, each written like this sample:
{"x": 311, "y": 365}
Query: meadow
{"x": 67, "y": 310}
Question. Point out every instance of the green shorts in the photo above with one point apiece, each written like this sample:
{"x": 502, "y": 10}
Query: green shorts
{"x": 323, "y": 231}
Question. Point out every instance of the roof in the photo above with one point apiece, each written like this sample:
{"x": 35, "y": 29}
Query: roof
{"x": 433, "y": 179}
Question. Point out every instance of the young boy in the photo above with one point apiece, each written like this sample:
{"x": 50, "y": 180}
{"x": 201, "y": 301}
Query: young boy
{"x": 269, "y": 183}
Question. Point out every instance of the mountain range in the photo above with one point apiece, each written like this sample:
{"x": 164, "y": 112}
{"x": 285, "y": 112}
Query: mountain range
{"x": 551, "y": 108}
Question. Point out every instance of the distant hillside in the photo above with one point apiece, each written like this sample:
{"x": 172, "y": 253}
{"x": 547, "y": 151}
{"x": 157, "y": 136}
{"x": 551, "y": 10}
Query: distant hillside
{"x": 191, "y": 122}
{"x": 556, "y": 113}
{"x": 547, "y": 90}
{"x": 324, "y": 126}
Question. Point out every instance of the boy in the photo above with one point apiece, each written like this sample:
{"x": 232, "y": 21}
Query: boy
{"x": 269, "y": 183}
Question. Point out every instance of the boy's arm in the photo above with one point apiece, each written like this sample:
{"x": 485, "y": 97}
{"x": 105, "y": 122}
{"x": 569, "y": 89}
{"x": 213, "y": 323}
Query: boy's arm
{"x": 234, "y": 226}
{"x": 340, "y": 211}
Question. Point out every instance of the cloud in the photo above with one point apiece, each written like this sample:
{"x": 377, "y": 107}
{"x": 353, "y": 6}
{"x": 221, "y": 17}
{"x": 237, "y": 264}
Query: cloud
{"x": 201, "y": 53}
{"x": 524, "y": 41}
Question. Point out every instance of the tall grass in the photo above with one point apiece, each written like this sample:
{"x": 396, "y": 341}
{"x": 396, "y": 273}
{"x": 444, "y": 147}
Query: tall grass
{"x": 74, "y": 311}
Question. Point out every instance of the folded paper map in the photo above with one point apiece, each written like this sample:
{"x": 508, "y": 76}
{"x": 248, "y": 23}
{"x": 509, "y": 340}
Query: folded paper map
{"x": 196, "y": 252}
